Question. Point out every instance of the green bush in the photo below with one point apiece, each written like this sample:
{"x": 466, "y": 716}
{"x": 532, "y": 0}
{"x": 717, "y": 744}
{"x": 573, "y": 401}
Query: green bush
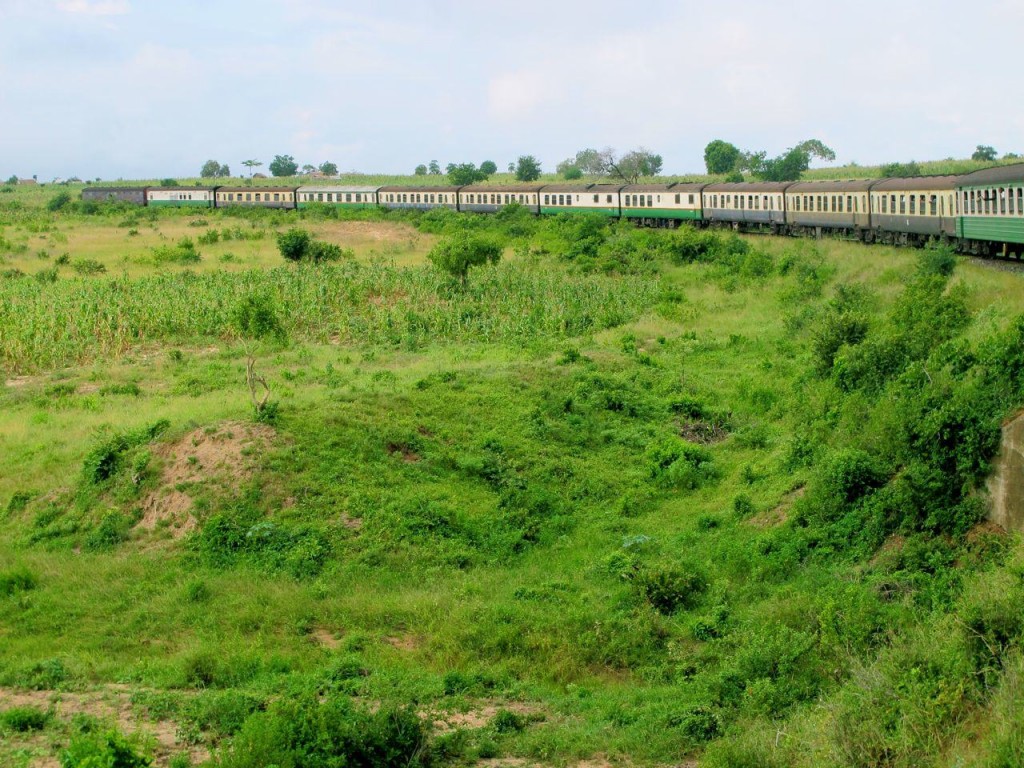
{"x": 112, "y": 530}
{"x": 332, "y": 732}
{"x": 23, "y": 719}
{"x": 183, "y": 252}
{"x": 676, "y": 463}
{"x": 19, "y": 579}
{"x": 669, "y": 588}
{"x": 106, "y": 750}
{"x": 456, "y": 254}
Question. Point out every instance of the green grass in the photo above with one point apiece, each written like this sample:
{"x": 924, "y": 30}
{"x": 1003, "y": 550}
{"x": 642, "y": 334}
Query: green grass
{"x": 479, "y": 504}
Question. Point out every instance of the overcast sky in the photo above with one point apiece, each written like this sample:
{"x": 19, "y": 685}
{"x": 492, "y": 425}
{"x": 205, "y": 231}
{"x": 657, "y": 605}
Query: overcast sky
{"x": 153, "y": 88}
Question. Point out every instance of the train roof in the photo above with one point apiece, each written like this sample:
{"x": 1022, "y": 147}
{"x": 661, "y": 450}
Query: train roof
{"x": 196, "y": 188}
{"x": 115, "y": 189}
{"x": 837, "y": 185}
{"x": 334, "y": 188}
{"x": 998, "y": 175}
{"x": 256, "y": 189}
{"x": 600, "y": 188}
{"x": 414, "y": 190}
{"x": 750, "y": 186}
{"x": 915, "y": 183}
{"x": 503, "y": 188}
{"x": 677, "y": 186}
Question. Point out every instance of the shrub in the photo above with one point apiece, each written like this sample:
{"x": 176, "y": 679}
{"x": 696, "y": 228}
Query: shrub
{"x": 183, "y": 252}
{"x": 937, "y": 260}
{"x": 310, "y": 732}
{"x": 87, "y": 266}
{"x": 23, "y": 719}
{"x": 107, "y": 458}
{"x": 506, "y": 721}
{"x": 58, "y": 201}
{"x": 113, "y": 529}
{"x": 679, "y": 464}
{"x": 106, "y": 750}
{"x": 17, "y": 580}
{"x": 670, "y": 588}
{"x": 455, "y": 255}
{"x": 255, "y": 317}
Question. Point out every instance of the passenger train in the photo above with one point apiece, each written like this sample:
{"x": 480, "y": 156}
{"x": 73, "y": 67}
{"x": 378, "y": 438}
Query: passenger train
{"x": 980, "y": 213}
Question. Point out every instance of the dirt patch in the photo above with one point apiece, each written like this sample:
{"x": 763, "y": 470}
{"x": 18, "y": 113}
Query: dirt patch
{"x": 409, "y": 456}
{"x": 407, "y": 643}
{"x": 352, "y": 523}
{"x": 20, "y": 381}
{"x": 480, "y": 717}
{"x": 780, "y": 514}
{"x": 326, "y": 638}
{"x": 702, "y": 432}
{"x": 985, "y": 529}
{"x": 111, "y": 705}
{"x": 226, "y": 455}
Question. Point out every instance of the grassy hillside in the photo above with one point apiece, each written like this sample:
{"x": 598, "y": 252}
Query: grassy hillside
{"x": 629, "y": 497}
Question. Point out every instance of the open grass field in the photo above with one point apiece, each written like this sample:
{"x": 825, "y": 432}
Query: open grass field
{"x": 627, "y": 498}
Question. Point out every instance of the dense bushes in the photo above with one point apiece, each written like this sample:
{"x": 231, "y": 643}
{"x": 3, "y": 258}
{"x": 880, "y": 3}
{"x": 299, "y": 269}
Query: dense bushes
{"x": 307, "y": 732}
{"x": 298, "y": 245}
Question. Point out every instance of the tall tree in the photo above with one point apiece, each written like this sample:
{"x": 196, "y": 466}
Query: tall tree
{"x": 791, "y": 164}
{"x": 984, "y": 152}
{"x": 489, "y": 167}
{"x": 250, "y": 164}
{"x": 211, "y": 169}
{"x": 464, "y": 173}
{"x": 308, "y": 168}
{"x": 632, "y": 166}
{"x": 527, "y": 168}
{"x": 721, "y": 156}
{"x": 283, "y": 165}
{"x": 434, "y": 169}
{"x": 327, "y": 168}
{"x": 589, "y": 161}
{"x": 420, "y": 170}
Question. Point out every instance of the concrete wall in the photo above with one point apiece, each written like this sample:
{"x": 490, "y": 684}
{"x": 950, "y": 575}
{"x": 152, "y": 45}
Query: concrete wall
{"x": 1006, "y": 484}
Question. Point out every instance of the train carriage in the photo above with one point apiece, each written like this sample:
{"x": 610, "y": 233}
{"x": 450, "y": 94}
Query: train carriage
{"x": 419, "y": 198}
{"x": 491, "y": 198}
{"x": 180, "y": 197}
{"x": 658, "y": 203}
{"x": 579, "y": 198}
{"x": 256, "y": 197}
{"x": 352, "y": 198}
{"x": 911, "y": 211}
{"x": 133, "y": 195}
{"x": 746, "y": 205}
{"x": 813, "y": 206}
{"x": 991, "y": 209}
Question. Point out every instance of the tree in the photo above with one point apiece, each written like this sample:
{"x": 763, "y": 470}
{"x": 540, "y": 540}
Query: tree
{"x": 901, "y": 170}
{"x": 211, "y": 169}
{"x": 572, "y": 173}
{"x": 250, "y": 164}
{"x": 434, "y": 169}
{"x": 721, "y": 156}
{"x": 13, "y": 179}
{"x": 308, "y": 168}
{"x": 327, "y": 168}
{"x": 464, "y": 173}
{"x": 489, "y": 167}
{"x": 985, "y": 153}
{"x": 511, "y": 167}
{"x": 168, "y": 182}
{"x": 421, "y": 170}
{"x": 791, "y": 164}
{"x": 457, "y": 254}
{"x": 224, "y": 171}
{"x": 283, "y": 165}
{"x": 632, "y": 165}
{"x": 527, "y": 168}
{"x": 589, "y": 161}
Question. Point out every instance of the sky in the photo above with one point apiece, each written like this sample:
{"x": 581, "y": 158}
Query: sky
{"x": 154, "y": 88}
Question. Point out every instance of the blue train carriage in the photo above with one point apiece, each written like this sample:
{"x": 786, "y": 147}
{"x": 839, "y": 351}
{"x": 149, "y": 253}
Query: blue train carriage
{"x": 256, "y": 197}
{"x": 838, "y": 207}
{"x": 991, "y": 211}
{"x": 180, "y": 197}
{"x": 912, "y": 211}
{"x": 661, "y": 204}
{"x": 601, "y": 199}
{"x": 418, "y": 198}
{"x": 351, "y": 198}
{"x": 750, "y": 206}
{"x": 132, "y": 195}
{"x": 490, "y": 198}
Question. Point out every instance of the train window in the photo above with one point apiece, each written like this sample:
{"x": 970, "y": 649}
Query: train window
{"x": 796, "y": 203}
{"x": 691, "y": 199}
{"x": 546, "y": 199}
{"x": 934, "y": 204}
{"x": 885, "y": 203}
{"x": 642, "y": 201}
{"x": 913, "y": 208}
{"x": 1002, "y": 201}
{"x": 561, "y": 199}
{"x": 678, "y": 198}
{"x": 766, "y": 205}
{"x": 988, "y": 201}
{"x": 659, "y": 198}
{"x": 650, "y": 203}
{"x": 277, "y": 196}
{"x": 608, "y": 198}
{"x": 320, "y": 197}
{"x": 1020, "y": 202}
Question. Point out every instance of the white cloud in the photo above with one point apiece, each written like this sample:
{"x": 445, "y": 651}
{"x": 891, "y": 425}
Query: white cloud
{"x": 95, "y": 7}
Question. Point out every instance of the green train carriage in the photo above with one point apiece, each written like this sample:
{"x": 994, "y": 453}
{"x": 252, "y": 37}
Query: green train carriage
{"x": 990, "y": 218}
